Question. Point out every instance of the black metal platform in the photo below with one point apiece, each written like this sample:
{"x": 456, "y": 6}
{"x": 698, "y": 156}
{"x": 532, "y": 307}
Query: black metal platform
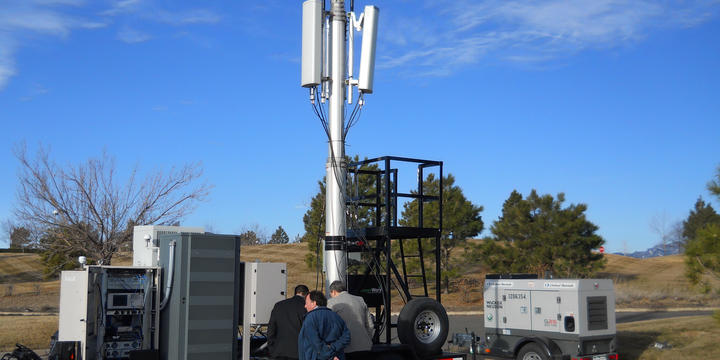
{"x": 383, "y": 229}
{"x": 392, "y": 232}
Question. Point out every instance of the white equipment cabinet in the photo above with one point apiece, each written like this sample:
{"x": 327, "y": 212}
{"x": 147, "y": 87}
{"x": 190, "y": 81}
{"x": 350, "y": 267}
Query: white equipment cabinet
{"x": 145, "y": 241}
{"x": 110, "y": 310}
{"x": 265, "y": 285}
{"x": 73, "y": 306}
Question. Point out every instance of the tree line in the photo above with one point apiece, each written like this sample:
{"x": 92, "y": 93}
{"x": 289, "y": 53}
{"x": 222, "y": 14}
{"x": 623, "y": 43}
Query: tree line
{"x": 88, "y": 209}
{"x": 535, "y": 234}
{"x": 256, "y": 236}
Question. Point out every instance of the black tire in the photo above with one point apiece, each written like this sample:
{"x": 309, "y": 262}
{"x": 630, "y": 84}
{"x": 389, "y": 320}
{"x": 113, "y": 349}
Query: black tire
{"x": 423, "y": 324}
{"x": 532, "y": 351}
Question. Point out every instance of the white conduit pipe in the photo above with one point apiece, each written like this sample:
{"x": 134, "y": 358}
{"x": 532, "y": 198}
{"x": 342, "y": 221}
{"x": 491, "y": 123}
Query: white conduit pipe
{"x": 169, "y": 281}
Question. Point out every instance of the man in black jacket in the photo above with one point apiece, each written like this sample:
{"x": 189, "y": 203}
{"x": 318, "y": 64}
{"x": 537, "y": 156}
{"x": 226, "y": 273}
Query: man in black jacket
{"x": 285, "y": 323}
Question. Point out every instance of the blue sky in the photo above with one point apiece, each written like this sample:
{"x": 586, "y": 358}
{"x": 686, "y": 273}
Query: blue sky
{"x": 613, "y": 102}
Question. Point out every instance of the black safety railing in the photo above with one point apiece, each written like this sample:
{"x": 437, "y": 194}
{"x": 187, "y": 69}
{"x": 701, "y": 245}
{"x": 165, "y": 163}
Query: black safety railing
{"x": 373, "y": 190}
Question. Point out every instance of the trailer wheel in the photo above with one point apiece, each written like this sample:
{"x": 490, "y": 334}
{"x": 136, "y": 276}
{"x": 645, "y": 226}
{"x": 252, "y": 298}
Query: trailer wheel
{"x": 531, "y": 351}
{"x": 423, "y": 324}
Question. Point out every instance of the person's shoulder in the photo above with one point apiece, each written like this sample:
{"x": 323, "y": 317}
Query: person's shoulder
{"x": 336, "y": 318}
{"x": 356, "y": 298}
{"x": 286, "y": 302}
{"x": 325, "y": 311}
{"x": 319, "y": 312}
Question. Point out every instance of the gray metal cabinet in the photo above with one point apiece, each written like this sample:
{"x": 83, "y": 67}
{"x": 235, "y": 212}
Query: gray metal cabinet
{"x": 201, "y": 318}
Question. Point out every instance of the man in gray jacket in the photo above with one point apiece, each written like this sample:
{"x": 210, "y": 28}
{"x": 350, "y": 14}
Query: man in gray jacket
{"x": 353, "y": 310}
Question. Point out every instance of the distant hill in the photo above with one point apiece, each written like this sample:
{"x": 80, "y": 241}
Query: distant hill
{"x": 655, "y": 251}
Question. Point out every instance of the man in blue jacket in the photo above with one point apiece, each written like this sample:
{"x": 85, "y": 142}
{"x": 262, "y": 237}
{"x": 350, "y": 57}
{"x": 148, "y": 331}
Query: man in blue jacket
{"x": 323, "y": 335}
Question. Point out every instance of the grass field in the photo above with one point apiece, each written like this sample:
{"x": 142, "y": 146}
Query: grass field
{"x": 693, "y": 337}
{"x": 654, "y": 283}
{"x": 644, "y": 283}
{"x": 31, "y": 331}
{"x": 690, "y": 337}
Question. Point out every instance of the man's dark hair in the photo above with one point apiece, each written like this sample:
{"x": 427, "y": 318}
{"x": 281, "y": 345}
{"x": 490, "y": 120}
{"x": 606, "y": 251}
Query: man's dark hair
{"x": 301, "y": 290}
{"x": 318, "y": 297}
{"x": 338, "y": 286}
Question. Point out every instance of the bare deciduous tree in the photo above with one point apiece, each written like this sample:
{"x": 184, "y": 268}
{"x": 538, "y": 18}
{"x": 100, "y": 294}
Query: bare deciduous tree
{"x": 253, "y": 235}
{"x": 93, "y": 211}
{"x": 660, "y": 225}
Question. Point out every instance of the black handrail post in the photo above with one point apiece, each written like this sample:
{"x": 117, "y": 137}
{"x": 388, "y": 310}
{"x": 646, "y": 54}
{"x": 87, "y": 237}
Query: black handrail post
{"x": 438, "y": 239}
{"x": 421, "y": 199}
{"x": 388, "y": 312}
{"x": 395, "y": 197}
{"x": 378, "y": 212}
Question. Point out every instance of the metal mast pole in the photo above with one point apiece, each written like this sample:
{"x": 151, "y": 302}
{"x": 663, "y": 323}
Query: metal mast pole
{"x": 335, "y": 230}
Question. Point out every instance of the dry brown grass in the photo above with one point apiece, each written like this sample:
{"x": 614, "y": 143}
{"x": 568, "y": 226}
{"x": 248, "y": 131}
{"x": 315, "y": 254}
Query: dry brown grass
{"x": 291, "y": 254}
{"x": 31, "y": 331}
{"x": 20, "y": 268}
{"x": 22, "y": 287}
{"x": 693, "y": 337}
{"x": 655, "y": 282}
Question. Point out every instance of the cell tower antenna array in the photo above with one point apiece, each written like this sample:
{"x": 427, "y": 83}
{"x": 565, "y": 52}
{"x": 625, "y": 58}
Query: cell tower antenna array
{"x": 328, "y": 77}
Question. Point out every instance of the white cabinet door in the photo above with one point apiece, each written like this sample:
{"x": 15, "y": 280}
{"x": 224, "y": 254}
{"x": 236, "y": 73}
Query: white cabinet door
{"x": 73, "y": 306}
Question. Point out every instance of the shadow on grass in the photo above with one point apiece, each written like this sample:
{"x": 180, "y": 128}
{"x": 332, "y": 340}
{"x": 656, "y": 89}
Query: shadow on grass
{"x": 631, "y": 344}
{"x": 25, "y": 276}
{"x": 617, "y": 278}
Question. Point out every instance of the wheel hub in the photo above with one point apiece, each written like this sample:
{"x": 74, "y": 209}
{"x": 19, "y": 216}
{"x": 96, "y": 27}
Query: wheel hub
{"x": 427, "y": 326}
{"x": 532, "y": 356}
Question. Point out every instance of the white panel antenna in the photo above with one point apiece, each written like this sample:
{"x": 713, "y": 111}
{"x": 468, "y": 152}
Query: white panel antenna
{"x": 367, "y": 54}
{"x": 312, "y": 43}
{"x": 327, "y": 61}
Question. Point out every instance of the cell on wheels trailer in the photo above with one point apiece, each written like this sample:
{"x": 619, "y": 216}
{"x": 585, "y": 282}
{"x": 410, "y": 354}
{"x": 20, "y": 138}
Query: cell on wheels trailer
{"x": 541, "y": 319}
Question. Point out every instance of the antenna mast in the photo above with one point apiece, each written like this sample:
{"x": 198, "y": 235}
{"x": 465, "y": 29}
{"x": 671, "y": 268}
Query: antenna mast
{"x": 336, "y": 167}
{"x": 324, "y": 65}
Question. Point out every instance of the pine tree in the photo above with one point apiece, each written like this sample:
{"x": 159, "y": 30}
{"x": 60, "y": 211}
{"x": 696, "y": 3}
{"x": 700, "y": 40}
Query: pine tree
{"x": 279, "y": 236}
{"x": 702, "y": 252}
{"x": 541, "y": 236}
{"x": 702, "y": 215}
{"x": 461, "y": 220}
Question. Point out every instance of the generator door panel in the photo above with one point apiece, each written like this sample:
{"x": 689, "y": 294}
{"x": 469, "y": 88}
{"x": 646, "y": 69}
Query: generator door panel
{"x": 515, "y": 311}
{"x": 546, "y": 311}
